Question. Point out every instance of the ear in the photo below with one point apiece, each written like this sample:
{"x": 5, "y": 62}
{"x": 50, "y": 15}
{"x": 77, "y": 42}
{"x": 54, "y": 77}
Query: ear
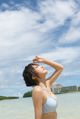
{"x": 33, "y": 77}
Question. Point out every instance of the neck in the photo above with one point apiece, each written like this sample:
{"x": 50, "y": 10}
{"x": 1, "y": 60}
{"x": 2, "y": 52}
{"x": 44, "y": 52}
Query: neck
{"x": 42, "y": 84}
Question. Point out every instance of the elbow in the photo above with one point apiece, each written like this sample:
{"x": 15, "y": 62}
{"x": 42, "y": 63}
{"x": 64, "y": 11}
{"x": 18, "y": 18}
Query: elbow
{"x": 61, "y": 68}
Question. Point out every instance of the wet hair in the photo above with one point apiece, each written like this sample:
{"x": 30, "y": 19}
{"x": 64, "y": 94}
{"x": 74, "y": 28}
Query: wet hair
{"x": 28, "y": 73}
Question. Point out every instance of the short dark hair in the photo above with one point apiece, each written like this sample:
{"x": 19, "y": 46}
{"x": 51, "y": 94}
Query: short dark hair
{"x": 28, "y": 73}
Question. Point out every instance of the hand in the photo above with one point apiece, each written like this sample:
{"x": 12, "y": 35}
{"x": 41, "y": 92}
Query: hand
{"x": 38, "y": 59}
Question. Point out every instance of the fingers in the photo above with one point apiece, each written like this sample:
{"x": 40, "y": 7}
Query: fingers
{"x": 37, "y": 59}
{"x": 34, "y": 60}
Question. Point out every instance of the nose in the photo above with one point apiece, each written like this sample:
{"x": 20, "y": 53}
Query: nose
{"x": 42, "y": 67}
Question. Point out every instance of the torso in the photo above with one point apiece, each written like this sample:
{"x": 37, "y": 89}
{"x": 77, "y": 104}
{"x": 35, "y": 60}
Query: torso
{"x": 49, "y": 115}
{"x": 47, "y": 94}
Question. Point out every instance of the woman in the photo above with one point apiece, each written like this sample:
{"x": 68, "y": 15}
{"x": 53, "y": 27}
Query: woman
{"x": 44, "y": 100}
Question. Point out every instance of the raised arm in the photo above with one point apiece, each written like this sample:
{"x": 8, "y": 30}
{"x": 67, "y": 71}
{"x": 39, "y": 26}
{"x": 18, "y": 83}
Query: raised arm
{"x": 58, "y": 69}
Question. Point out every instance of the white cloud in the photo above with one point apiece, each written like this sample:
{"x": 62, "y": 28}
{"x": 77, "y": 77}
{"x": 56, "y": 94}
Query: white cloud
{"x": 17, "y": 32}
{"x": 67, "y": 55}
{"x": 56, "y": 12}
{"x": 18, "y": 39}
{"x": 21, "y": 38}
{"x": 70, "y": 73}
{"x": 73, "y": 34}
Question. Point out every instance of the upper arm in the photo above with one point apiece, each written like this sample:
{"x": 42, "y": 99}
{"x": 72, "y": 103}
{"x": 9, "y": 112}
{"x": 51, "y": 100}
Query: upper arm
{"x": 37, "y": 102}
{"x": 53, "y": 77}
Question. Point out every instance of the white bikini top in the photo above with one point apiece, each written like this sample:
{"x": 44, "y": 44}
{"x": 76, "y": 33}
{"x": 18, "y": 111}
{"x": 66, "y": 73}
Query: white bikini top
{"x": 50, "y": 105}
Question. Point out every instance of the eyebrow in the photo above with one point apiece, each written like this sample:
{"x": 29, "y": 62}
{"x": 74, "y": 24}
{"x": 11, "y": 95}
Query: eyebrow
{"x": 35, "y": 65}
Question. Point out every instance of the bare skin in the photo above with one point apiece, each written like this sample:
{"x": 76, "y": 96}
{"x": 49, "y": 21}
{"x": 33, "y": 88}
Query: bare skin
{"x": 43, "y": 89}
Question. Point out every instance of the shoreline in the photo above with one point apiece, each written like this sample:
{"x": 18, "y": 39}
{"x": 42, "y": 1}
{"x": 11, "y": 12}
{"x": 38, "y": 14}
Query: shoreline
{"x": 10, "y": 98}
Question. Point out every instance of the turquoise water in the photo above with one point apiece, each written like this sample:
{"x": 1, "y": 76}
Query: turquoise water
{"x": 68, "y": 107}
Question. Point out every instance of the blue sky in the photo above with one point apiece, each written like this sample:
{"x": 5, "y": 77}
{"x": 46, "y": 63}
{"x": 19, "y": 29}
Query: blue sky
{"x": 47, "y": 28}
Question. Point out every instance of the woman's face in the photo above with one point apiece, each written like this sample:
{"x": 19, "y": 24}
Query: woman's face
{"x": 40, "y": 69}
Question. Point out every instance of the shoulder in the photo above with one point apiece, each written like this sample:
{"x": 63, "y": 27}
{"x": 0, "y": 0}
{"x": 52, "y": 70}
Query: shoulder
{"x": 37, "y": 93}
{"x": 37, "y": 101}
{"x": 37, "y": 89}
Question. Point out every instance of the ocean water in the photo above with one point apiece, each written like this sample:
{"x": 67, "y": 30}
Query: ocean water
{"x": 68, "y": 107}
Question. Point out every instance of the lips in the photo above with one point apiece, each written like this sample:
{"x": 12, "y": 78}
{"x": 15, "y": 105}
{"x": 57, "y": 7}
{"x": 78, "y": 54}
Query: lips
{"x": 43, "y": 68}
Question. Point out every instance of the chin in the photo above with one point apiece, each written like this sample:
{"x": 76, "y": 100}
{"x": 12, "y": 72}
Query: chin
{"x": 46, "y": 71}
